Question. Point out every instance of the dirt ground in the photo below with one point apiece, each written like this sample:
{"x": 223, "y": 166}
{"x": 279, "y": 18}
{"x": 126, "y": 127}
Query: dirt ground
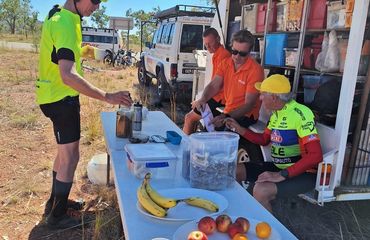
{"x": 27, "y": 150}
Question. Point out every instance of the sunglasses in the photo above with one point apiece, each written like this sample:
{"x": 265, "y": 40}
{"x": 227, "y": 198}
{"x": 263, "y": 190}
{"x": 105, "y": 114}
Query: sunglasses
{"x": 236, "y": 52}
{"x": 96, "y": 2}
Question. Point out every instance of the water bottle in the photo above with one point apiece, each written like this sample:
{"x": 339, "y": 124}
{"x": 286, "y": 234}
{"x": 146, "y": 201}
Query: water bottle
{"x": 137, "y": 118}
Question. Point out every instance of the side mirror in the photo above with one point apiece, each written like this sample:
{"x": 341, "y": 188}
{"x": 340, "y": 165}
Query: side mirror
{"x": 148, "y": 44}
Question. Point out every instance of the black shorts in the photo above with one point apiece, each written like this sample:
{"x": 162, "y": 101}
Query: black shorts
{"x": 213, "y": 105}
{"x": 65, "y": 115}
{"x": 288, "y": 188}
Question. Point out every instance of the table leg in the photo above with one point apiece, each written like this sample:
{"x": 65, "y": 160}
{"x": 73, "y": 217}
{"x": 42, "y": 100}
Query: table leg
{"x": 108, "y": 169}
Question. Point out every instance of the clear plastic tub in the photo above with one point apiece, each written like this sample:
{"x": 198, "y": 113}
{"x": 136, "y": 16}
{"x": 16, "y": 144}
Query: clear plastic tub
{"x": 213, "y": 159}
{"x": 155, "y": 158}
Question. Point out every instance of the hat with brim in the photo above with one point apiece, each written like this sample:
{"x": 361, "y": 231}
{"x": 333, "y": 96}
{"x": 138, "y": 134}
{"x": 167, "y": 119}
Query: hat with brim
{"x": 278, "y": 84}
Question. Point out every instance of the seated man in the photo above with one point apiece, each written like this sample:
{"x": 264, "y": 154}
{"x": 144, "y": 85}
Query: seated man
{"x": 295, "y": 145}
{"x": 211, "y": 40}
{"x": 236, "y": 76}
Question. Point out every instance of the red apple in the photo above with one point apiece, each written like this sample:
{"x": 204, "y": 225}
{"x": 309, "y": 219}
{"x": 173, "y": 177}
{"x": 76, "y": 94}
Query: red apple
{"x": 197, "y": 235}
{"x": 222, "y": 222}
{"x": 207, "y": 225}
{"x": 244, "y": 223}
{"x": 233, "y": 229}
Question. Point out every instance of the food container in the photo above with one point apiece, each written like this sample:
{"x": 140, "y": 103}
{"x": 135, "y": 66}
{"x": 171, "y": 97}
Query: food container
{"x": 291, "y": 56}
{"x": 173, "y": 137}
{"x": 124, "y": 123}
{"x": 213, "y": 159}
{"x": 185, "y": 145}
{"x": 155, "y": 158}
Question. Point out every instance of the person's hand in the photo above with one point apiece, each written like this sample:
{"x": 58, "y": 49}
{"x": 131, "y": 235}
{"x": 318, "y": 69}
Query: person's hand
{"x": 234, "y": 126}
{"x": 87, "y": 51}
{"x": 121, "y": 97}
{"x": 270, "y": 177}
{"x": 198, "y": 104}
{"x": 219, "y": 120}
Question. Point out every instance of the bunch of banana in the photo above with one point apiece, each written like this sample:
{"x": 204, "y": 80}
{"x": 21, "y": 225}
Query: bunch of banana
{"x": 156, "y": 197}
{"x": 147, "y": 203}
{"x": 202, "y": 203}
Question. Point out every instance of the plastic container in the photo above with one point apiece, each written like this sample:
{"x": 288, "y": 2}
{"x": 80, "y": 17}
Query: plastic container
{"x": 291, "y": 56}
{"x": 336, "y": 15}
{"x": 213, "y": 159}
{"x": 185, "y": 145}
{"x": 97, "y": 169}
{"x": 318, "y": 14}
{"x": 281, "y": 16}
{"x": 173, "y": 137}
{"x": 250, "y": 17}
{"x": 261, "y": 18}
{"x": 124, "y": 123}
{"x": 274, "y": 53}
{"x": 311, "y": 83}
{"x": 155, "y": 158}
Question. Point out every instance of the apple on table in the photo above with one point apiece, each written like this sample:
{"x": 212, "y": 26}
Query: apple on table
{"x": 197, "y": 235}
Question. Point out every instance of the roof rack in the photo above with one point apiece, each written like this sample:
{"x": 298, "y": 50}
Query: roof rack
{"x": 186, "y": 10}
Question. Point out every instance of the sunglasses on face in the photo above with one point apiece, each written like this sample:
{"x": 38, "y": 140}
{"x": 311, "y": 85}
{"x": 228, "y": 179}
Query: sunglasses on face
{"x": 236, "y": 52}
{"x": 96, "y": 2}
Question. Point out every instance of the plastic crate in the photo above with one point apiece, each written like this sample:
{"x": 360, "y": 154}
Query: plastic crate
{"x": 317, "y": 17}
{"x": 250, "y": 17}
{"x": 291, "y": 56}
{"x": 275, "y": 44}
{"x": 261, "y": 18}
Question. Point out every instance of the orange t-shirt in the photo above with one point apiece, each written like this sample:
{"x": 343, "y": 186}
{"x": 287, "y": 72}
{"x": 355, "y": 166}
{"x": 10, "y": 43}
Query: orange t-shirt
{"x": 220, "y": 54}
{"x": 238, "y": 83}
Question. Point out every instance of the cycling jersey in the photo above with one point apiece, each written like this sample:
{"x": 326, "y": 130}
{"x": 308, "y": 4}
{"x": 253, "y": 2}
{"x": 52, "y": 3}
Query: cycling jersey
{"x": 290, "y": 128}
{"x": 61, "y": 39}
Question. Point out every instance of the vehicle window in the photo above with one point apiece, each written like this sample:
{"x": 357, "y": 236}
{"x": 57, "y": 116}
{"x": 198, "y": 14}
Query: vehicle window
{"x": 191, "y": 38}
{"x": 154, "y": 40}
{"x": 159, "y": 34}
{"x": 170, "y": 36}
{"x": 166, "y": 30}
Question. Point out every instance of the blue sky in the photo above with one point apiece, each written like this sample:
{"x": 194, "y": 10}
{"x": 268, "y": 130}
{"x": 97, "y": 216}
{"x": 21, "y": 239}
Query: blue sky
{"x": 117, "y": 7}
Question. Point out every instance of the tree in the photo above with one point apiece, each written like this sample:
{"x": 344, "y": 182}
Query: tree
{"x": 141, "y": 16}
{"x": 100, "y": 18}
{"x": 24, "y": 16}
{"x": 10, "y": 12}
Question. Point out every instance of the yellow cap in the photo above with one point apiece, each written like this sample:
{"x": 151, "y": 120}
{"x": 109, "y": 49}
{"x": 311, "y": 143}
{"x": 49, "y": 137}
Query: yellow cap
{"x": 276, "y": 83}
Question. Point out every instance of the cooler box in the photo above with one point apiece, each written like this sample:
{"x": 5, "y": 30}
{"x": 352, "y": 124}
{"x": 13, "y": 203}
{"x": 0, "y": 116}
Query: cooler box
{"x": 261, "y": 18}
{"x": 311, "y": 83}
{"x": 317, "y": 17}
{"x": 275, "y": 44}
{"x": 155, "y": 158}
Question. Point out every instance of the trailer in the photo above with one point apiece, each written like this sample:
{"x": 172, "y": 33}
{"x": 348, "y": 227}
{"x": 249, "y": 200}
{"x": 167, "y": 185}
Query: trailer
{"x": 344, "y": 172}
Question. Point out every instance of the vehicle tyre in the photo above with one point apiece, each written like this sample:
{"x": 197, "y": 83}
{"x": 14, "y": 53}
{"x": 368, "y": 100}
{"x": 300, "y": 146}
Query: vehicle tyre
{"x": 108, "y": 59}
{"x": 161, "y": 90}
{"x": 249, "y": 152}
{"x": 142, "y": 76}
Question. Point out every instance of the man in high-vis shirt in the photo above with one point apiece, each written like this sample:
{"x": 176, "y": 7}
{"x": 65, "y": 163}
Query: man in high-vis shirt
{"x": 236, "y": 76}
{"x": 295, "y": 145}
{"x": 57, "y": 92}
{"x": 211, "y": 40}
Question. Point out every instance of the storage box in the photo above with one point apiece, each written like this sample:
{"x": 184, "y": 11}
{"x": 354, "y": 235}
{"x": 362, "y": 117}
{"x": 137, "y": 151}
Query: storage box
{"x": 250, "y": 17}
{"x": 281, "y": 16}
{"x": 261, "y": 18}
{"x": 311, "y": 83}
{"x": 274, "y": 53}
{"x": 318, "y": 14}
{"x": 295, "y": 9}
{"x": 336, "y": 15}
{"x": 155, "y": 158}
{"x": 291, "y": 56}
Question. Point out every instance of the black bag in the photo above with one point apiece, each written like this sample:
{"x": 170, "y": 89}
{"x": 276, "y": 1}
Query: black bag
{"x": 327, "y": 98}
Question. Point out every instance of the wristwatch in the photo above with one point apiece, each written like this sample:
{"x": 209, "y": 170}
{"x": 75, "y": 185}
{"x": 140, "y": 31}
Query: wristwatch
{"x": 284, "y": 173}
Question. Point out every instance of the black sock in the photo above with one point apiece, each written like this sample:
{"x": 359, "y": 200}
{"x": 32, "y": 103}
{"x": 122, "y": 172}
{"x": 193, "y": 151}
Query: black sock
{"x": 52, "y": 195}
{"x": 62, "y": 190}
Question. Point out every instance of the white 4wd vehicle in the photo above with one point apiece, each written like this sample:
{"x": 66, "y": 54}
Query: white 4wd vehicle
{"x": 169, "y": 57}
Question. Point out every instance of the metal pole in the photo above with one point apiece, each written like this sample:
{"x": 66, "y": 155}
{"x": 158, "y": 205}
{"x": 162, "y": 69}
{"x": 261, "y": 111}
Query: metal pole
{"x": 220, "y": 22}
{"x": 141, "y": 37}
{"x": 128, "y": 39}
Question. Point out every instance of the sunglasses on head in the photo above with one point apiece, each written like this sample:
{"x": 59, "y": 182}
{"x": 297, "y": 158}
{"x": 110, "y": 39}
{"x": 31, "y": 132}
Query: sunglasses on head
{"x": 96, "y": 2}
{"x": 236, "y": 52}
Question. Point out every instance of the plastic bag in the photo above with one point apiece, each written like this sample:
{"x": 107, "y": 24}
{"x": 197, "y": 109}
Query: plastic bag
{"x": 320, "y": 61}
{"x": 332, "y": 56}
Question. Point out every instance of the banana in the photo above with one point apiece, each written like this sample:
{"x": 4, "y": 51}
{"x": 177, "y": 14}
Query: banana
{"x": 202, "y": 203}
{"x": 147, "y": 203}
{"x": 156, "y": 197}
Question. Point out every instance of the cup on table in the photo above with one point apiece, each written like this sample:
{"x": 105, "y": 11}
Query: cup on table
{"x": 99, "y": 54}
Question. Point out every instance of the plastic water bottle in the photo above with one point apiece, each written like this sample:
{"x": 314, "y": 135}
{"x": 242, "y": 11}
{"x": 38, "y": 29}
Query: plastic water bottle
{"x": 137, "y": 118}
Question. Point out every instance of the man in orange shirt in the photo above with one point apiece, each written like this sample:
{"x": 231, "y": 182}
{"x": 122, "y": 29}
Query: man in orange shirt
{"x": 211, "y": 40}
{"x": 236, "y": 76}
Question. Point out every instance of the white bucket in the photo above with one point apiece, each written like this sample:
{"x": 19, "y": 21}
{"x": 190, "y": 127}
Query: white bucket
{"x": 97, "y": 169}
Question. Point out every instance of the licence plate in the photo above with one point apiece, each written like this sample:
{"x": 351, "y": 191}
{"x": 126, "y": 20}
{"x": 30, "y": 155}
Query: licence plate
{"x": 187, "y": 71}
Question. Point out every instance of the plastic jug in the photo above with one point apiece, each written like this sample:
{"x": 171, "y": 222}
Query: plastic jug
{"x": 213, "y": 159}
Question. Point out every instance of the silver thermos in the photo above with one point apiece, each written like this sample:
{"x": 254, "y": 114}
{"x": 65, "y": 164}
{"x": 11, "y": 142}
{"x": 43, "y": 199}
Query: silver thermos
{"x": 137, "y": 117}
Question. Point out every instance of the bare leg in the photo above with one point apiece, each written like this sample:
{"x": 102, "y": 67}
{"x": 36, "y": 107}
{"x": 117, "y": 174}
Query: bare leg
{"x": 190, "y": 123}
{"x": 264, "y": 193}
{"x": 68, "y": 156}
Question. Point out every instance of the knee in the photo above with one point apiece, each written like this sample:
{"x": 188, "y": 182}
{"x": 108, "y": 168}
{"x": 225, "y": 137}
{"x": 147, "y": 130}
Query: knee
{"x": 264, "y": 191}
{"x": 189, "y": 117}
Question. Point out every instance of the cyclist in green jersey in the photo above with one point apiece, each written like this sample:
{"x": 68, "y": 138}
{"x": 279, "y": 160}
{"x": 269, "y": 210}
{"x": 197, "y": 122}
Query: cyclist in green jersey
{"x": 295, "y": 145}
{"x": 57, "y": 89}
